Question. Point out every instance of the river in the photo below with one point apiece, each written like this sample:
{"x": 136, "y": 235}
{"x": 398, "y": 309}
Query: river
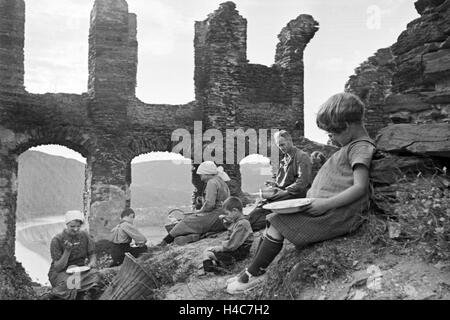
{"x": 33, "y": 244}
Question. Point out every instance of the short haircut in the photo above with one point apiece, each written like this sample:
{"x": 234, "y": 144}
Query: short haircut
{"x": 282, "y": 134}
{"x": 127, "y": 212}
{"x": 232, "y": 203}
{"x": 338, "y": 110}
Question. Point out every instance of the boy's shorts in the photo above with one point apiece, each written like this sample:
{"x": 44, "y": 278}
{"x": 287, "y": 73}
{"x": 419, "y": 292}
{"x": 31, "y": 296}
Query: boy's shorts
{"x": 228, "y": 258}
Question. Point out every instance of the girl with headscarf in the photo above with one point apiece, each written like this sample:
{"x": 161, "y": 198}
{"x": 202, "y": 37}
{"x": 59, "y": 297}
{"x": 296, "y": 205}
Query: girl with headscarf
{"x": 207, "y": 218}
{"x": 72, "y": 247}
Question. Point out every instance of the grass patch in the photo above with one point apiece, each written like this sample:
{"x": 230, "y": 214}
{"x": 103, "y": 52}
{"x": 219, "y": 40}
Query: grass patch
{"x": 411, "y": 217}
{"x": 415, "y": 215}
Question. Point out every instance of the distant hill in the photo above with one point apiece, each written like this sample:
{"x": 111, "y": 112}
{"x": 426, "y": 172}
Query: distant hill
{"x": 48, "y": 185}
{"x": 51, "y": 185}
{"x": 160, "y": 183}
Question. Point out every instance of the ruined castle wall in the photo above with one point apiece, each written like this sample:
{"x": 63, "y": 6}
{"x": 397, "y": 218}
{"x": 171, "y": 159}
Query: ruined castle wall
{"x": 289, "y": 58}
{"x": 372, "y": 82}
{"x": 231, "y": 93}
{"x": 8, "y": 204}
{"x": 220, "y": 50}
{"x": 109, "y": 126}
{"x": 220, "y": 53}
{"x": 12, "y": 26}
{"x": 112, "y": 62}
{"x": 48, "y": 110}
{"x": 161, "y": 115}
{"x": 264, "y": 84}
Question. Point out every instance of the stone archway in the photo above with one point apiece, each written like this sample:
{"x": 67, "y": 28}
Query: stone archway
{"x": 12, "y": 145}
{"x": 161, "y": 182}
{"x": 255, "y": 170}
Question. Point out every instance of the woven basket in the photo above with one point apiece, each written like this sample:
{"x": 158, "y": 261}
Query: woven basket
{"x": 132, "y": 282}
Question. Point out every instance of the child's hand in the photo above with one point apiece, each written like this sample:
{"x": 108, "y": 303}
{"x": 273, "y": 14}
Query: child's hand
{"x": 318, "y": 207}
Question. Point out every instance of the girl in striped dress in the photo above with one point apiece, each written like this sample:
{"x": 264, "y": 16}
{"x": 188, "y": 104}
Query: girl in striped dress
{"x": 339, "y": 192}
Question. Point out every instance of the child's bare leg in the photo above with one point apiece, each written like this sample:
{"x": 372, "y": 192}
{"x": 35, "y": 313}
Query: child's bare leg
{"x": 274, "y": 233}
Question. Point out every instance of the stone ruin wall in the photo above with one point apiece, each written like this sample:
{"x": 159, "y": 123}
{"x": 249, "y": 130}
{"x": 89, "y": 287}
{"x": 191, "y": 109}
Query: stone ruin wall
{"x": 407, "y": 86}
{"x": 232, "y": 93}
{"x": 110, "y": 126}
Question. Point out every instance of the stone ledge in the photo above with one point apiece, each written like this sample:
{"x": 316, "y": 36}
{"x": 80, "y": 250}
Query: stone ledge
{"x": 423, "y": 139}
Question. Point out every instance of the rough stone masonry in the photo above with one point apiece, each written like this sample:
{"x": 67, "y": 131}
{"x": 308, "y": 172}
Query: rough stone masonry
{"x": 110, "y": 126}
{"x": 406, "y": 87}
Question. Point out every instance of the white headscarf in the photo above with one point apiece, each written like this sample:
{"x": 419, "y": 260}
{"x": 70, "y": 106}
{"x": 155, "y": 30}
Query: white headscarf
{"x": 73, "y": 215}
{"x": 209, "y": 167}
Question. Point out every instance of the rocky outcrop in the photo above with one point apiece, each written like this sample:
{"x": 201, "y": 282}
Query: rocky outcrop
{"x": 411, "y": 82}
{"x": 372, "y": 83}
{"x": 424, "y": 139}
{"x": 388, "y": 168}
{"x": 423, "y": 5}
{"x": 421, "y": 85}
{"x": 311, "y": 146}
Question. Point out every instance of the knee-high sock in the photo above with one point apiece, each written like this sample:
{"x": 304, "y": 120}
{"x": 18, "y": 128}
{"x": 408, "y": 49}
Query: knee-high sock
{"x": 266, "y": 253}
{"x": 260, "y": 241}
{"x": 262, "y": 238}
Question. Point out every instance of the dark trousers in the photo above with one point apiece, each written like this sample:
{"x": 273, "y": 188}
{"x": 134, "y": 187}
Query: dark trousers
{"x": 228, "y": 258}
{"x": 257, "y": 217}
{"x": 118, "y": 251}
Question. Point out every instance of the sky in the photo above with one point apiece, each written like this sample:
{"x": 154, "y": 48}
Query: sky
{"x": 350, "y": 31}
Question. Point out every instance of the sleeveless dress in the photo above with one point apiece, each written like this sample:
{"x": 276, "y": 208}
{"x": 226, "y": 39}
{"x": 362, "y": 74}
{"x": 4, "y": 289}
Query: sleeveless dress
{"x": 335, "y": 176}
{"x": 216, "y": 192}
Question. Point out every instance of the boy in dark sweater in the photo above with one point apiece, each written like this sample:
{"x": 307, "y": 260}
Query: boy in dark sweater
{"x": 240, "y": 239}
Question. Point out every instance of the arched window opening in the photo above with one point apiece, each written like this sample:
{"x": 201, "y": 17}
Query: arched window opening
{"x": 50, "y": 182}
{"x": 161, "y": 182}
{"x": 255, "y": 170}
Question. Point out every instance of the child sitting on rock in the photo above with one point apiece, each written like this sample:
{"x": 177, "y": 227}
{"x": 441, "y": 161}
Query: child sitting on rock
{"x": 122, "y": 237}
{"x": 339, "y": 192}
{"x": 240, "y": 240}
